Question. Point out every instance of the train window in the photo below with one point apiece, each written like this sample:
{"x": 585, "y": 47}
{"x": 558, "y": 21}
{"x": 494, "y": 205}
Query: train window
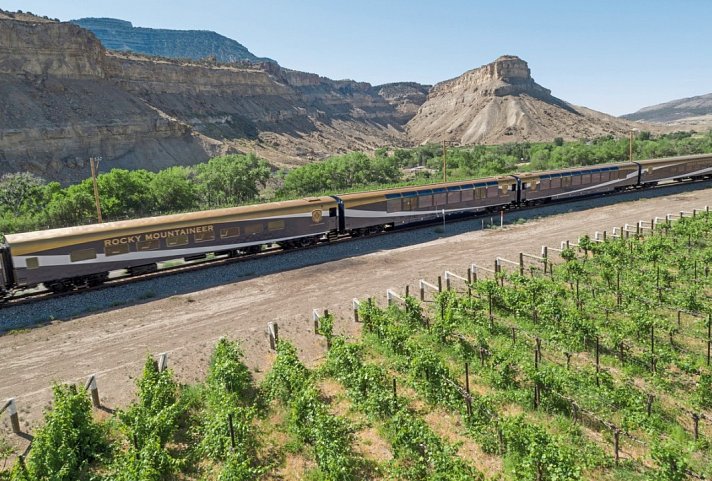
{"x": 453, "y": 197}
{"x": 116, "y": 250}
{"x": 555, "y": 183}
{"x": 440, "y": 199}
{"x": 32, "y": 262}
{"x": 409, "y": 203}
{"x": 425, "y": 201}
{"x": 604, "y": 176}
{"x": 82, "y": 255}
{"x": 565, "y": 181}
{"x": 576, "y": 180}
{"x": 204, "y": 236}
{"x": 545, "y": 184}
{"x": 275, "y": 225}
{"x": 230, "y": 232}
{"x": 468, "y": 195}
{"x": 177, "y": 240}
{"x": 253, "y": 229}
{"x": 393, "y": 205}
{"x": 149, "y": 245}
{"x": 480, "y": 193}
{"x": 595, "y": 178}
{"x": 586, "y": 179}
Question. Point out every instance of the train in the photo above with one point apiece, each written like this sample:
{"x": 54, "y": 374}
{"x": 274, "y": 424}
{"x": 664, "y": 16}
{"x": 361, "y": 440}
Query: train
{"x": 77, "y": 257}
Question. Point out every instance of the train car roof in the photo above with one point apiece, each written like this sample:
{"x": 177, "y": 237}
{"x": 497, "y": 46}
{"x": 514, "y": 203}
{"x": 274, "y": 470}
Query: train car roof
{"x": 684, "y": 158}
{"x": 186, "y": 219}
{"x": 575, "y": 170}
{"x": 432, "y": 188}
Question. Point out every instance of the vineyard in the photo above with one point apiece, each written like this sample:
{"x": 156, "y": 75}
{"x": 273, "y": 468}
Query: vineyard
{"x": 588, "y": 362}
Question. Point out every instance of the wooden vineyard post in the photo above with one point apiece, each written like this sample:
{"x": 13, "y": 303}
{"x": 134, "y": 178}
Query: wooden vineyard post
{"x": 568, "y": 360}
{"x": 273, "y": 333}
{"x": 232, "y": 432}
{"x": 467, "y": 377}
{"x": 696, "y": 426}
{"x": 469, "y": 282}
{"x": 649, "y": 405}
{"x": 407, "y": 291}
{"x": 395, "y": 394}
{"x": 545, "y": 255}
{"x": 162, "y": 361}
{"x": 521, "y": 264}
{"x": 12, "y": 412}
{"x": 440, "y": 284}
{"x": 514, "y": 335}
{"x": 93, "y": 391}
{"x": 616, "y": 444}
{"x": 354, "y": 307}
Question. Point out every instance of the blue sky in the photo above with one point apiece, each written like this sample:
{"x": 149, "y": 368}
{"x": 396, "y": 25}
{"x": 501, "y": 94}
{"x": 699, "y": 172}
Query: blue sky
{"x": 612, "y": 56}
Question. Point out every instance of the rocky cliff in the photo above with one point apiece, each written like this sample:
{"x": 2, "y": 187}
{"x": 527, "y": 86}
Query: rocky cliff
{"x": 60, "y": 107}
{"x": 66, "y": 98}
{"x": 501, "y": 102}
{"x": 121, "y": 35}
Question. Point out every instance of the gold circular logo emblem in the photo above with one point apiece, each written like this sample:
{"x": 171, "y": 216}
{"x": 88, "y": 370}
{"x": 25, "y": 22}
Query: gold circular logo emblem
{"x": 316, "y": 216}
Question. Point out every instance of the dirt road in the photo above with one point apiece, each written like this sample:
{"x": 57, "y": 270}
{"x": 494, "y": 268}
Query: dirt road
{"x": 114, "y": 344}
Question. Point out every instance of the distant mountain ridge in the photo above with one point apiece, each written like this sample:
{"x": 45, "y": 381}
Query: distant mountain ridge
{"x": 686, "y": 110}
{"x": 121, "y": 35}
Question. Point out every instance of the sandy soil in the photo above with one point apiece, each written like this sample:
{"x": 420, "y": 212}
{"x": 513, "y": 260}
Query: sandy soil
{"x": 114, "y": 344}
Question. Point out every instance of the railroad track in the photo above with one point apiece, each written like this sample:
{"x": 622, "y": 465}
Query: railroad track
{"x": 35, "y": 296}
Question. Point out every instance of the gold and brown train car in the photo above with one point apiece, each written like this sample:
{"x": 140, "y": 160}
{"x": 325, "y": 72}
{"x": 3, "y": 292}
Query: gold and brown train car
{"x": 577, "y": 182}
{"x": 74, "y": 256}
{"x": 675, "y": 168}
{"x": 370, "y": 211}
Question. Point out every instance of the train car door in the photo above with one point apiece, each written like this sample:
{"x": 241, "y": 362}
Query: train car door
{"x": 5, "y": 268}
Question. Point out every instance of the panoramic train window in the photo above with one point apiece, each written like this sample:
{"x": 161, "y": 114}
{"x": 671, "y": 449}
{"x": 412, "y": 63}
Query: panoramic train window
{"x": 425, "y": 201}
{"x": 565, "y": 181}
{"x": 576, "y": 180}
{"x": 596, "y": 177}
{"x": 393, "y": 205}
{"x": 480, "y": 193}
{"x": 545, "y": 184}
{"x": 82, "y": 255}
{"x": 604, "y": 176}
{"x": 409, "y": 203}
{"x": 586, "y": 179}
{"x": 467, "y": 195}
{"x": 253, "y": 229}
{"x": 149, "y": 245}
{"x": 178, "y": 240}
{"x": 440, "y": 199}
{"x": 204, "y": 236}
{"x": 275, "y": 225}
{"x": 230, "y": 232}
{"x": 116, "y": 250}
{"x": 555, "y": 183}
{"x": 32, "y": 262}
{"x": 453, "y": 197}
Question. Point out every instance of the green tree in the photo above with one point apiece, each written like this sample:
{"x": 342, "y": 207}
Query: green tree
{"x": 21, "y": 192}
{"x": 173, "y": 190}
{"x": 231, "y": 179}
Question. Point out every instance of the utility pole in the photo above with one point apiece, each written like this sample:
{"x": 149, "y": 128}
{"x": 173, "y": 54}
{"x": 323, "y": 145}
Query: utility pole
{"x": 630, "y": 145}
{"x": 96, "y": 187}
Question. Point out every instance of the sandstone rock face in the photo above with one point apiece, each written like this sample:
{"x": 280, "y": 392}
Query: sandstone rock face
{"x": 59, "y": 108}
{"x": 500, "y": 102}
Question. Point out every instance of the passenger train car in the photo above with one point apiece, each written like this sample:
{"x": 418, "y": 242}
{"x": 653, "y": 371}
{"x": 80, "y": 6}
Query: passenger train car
{"x": 62, "y": 259}
{"x": 73, "y": 257}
